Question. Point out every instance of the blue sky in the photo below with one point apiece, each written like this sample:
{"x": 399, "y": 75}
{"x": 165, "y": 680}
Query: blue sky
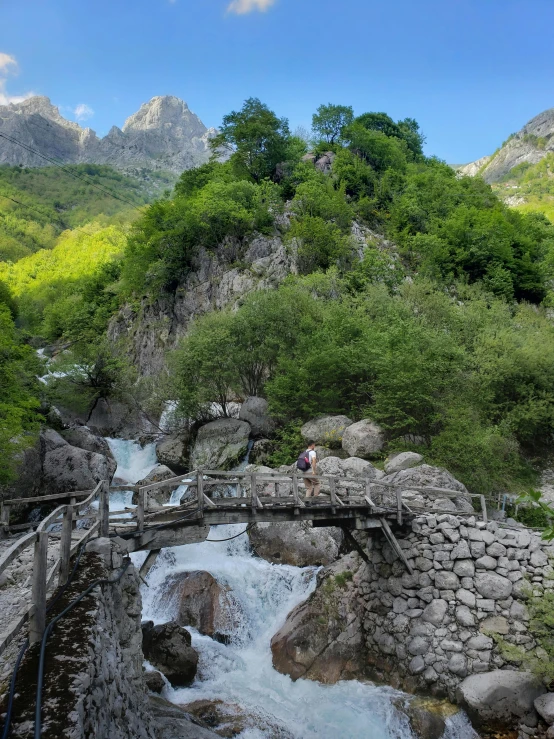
{"x": 470, "y": 71}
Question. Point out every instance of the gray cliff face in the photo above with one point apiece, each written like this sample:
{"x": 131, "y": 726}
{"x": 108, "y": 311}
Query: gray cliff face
{"x": 531, "y": 144}
{"x": 163, "y": 135}
{"x": 157, "y": 326}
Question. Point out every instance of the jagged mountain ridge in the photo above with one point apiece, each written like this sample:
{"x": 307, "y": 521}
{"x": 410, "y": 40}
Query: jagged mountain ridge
{"x": 164, "y": 134}
{"x": 530, "y": 145}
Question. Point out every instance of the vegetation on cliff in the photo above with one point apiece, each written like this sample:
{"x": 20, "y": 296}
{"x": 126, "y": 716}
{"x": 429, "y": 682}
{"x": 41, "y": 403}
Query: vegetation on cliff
{"x": 439, "y": 333}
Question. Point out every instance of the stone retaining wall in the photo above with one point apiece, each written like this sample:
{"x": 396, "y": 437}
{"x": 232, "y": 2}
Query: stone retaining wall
{"x": 93, "y": 686}
{"x": 433, "y": 628}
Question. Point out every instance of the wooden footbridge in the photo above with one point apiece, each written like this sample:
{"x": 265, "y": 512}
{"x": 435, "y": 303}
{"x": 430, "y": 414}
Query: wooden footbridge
{"x": 210, "y": 497}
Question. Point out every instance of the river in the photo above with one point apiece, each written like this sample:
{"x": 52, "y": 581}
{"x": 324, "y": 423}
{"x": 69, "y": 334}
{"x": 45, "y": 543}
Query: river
{"x": 241, "y": 672}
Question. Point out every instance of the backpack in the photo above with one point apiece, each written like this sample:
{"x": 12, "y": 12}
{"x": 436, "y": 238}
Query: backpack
{"x": 303, "y": 462}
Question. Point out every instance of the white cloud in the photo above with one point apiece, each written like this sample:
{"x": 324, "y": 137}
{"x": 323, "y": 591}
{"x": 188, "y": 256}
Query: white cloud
{"x": 83, "y": 112}
{"x": 241, "y": 7}
{"x": 8, "y": 65}
{"x": 7, "y": 61}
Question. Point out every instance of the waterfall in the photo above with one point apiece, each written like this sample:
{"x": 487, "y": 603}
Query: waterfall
{"x": 240, "y": 672}
{"x": 134, "y": 461}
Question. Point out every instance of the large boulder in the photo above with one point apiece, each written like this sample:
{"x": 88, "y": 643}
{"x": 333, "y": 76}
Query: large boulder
{"x": 322, "y": 638}
{"x": 357, "y": 467}
{"x": 159, "y": 473}
{"x": 352, "y": 467}
{"x": 363, "y": 439}
{"x": 255, "y": 412}
{"x": 66, "y": 468}
{"x": 220, "y": 444}
{"x": 112, "y": 418}
{"x": 437, "y": 477}
{"x": 327, "y": 430}
{"x": 497, "y": 700}
{"x": 198, "y": 600}
{"x": 83, "y": 438}
{"x": 172, "y": 451}
{"x": 296, "y": 543}
{"x": 402, "y": 461}
{"x": 168, "y": 648}
{"x": 172, "y": 722}
{"x": 544, "y": 705}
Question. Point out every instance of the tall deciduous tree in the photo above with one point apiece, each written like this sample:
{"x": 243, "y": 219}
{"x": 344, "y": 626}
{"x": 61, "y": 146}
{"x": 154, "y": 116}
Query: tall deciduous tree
{"x": 330, "y": 120}
{"x": 257, "y": 138}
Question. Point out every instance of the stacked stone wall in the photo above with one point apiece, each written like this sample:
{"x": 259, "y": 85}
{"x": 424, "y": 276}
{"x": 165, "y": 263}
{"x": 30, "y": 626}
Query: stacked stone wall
{"x": 471, "y": 580}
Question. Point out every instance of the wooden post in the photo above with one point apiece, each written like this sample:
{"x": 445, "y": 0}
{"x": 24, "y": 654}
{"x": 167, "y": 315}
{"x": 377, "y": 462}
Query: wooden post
{"x": 333, "y": 490}
{"x": 65, "y": 545}
{"x": 73, "y": 502}
{"x": 200, "y": 492}
{"x": 38, "y": 618}
{"x": 5, "y": 514}
{"x": 295, "y": 489}
{"x": 399, "y": 506}
{"x": 484, "y": 509}
{"x": 253, "y": 500}
{"x": 141, "y": 508}
{"x": 104, "y": 510}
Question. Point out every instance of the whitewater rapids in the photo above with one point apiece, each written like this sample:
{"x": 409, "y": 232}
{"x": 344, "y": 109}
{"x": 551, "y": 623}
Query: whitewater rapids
{"x": 241, "y": 672}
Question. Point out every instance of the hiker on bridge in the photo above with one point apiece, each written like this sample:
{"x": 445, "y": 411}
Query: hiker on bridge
{"x": 307, "y": 462}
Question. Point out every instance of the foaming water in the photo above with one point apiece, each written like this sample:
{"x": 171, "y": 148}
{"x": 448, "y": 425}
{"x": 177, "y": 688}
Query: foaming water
{"x": 134, "y": 461}
{"x": 241, "y": 672}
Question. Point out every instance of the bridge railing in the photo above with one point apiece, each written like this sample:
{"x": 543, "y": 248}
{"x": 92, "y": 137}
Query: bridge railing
{"x": 42, "y": 578}
{"x": 208, "y": 489}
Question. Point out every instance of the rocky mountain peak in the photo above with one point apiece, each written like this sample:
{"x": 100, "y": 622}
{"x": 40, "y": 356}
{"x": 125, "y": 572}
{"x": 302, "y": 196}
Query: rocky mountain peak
{"x": 43, "y": 106}
{"x": 163, "y": 134}
{"x": 165, "y": 112}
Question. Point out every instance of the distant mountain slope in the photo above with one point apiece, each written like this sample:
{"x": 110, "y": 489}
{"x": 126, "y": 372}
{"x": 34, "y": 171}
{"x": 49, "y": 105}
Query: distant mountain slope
{"x": 528, "y": 146}
{"x": 37, "y": 204}
{"x": 163, "y": 135}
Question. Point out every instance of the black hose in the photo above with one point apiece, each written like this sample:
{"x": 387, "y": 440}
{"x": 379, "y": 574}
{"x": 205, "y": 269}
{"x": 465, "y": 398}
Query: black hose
{"x": 8, "y": 719}
{"x": 47, "y": 632}
{"x": 236, "y": 536}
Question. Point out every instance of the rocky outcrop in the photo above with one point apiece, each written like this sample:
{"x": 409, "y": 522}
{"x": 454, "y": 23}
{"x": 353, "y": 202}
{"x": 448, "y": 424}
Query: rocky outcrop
{"x": 255, "y": 412}
{"x": 220, "y": 444}
{"x": 530, "y": 145}
{"x": 172, "y": 722}
{"x": 425, "y": 475}
{"x": 93, "y": 681}
{"x": 363, "y": 439}
{"x": 163, "y": 135}
{"x": 168, "y": 648}
{"x": 296, "y": 543}
{"x": 322, "y": 638}
{"x": 173, "y": 452}
{"x": 66, "y": 467}
{"x": 402, "y": 461}
{"x": 82, "y": 437}
{"x": 326, "y": 430}
{"x": 215, "y": 282}
{"x": 497, "y": 700}
{"x": 196, "y": 599}
{"x": 113, "y": 418}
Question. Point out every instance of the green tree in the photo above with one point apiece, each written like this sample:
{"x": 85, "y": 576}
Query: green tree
{"x": 256, "y": 138}
{"x": 406, "y": 130}
{"x": 330, "y": 120}
{"x": 18, "y": 395}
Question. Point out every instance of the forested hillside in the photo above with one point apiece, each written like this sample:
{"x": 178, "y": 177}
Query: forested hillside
{"x": 530, "y": 187}
{"x": 36, "y": 205}
{"x": 437, "y": 327}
